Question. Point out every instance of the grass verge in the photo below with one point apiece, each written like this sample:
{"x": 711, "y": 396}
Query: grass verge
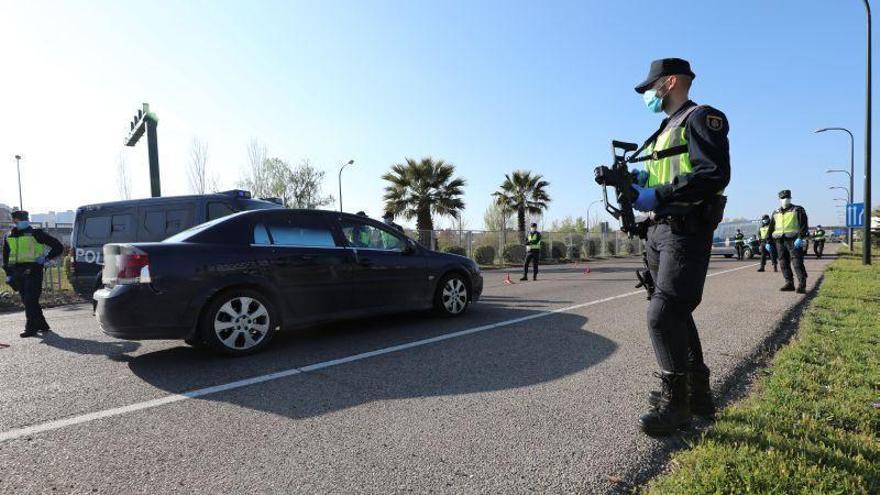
{"x": 812, "y": 423}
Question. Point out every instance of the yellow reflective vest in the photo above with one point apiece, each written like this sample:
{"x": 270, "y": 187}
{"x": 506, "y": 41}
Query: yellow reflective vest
{"x": 786, "y": 223}
{"x": 24, "y": 248}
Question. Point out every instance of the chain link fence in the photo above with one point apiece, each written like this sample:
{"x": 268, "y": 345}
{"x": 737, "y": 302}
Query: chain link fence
{"x": 506, "y": 246}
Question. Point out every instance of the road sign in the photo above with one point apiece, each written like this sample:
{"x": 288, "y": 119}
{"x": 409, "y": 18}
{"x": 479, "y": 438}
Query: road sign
{"x": 855, "y": 215}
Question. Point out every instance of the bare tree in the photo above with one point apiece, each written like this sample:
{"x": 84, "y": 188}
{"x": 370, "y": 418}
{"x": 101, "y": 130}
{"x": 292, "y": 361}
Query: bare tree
{"x": 123, "y": 177}
{"x": 258, "y": 176}
{"x": 198, "y": 170}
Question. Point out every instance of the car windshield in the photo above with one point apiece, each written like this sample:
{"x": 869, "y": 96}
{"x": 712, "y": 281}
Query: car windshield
{"x": 186, "y": 234}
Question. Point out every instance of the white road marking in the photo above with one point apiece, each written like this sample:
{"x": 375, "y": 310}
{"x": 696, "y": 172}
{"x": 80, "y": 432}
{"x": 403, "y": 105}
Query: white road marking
{"x": 169, "y": 399}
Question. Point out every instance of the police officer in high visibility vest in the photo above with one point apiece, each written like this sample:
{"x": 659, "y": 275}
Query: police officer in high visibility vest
{"x": 24, "y": 254}
{"x": 533, "y": 254}
{"x": 739, "y": 243}
{"x": 767, "y": 245}
{"x": 818, "y": 241}
{"x": 688, "y": 167}
{"x": 788, "y": 227}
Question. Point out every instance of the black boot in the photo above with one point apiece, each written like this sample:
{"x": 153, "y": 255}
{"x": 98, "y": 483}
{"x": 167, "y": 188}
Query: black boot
{"x": 524, "y": 278}
{"x": 700, "y": 394}
{"x": 802, "y": 289}
{"x": 761, "y": 269}
{"x": 671, "y": 412}
{"x": 788, "y": 287}
{"x": 775, "y": 268}
{"x": 27, "y": 333}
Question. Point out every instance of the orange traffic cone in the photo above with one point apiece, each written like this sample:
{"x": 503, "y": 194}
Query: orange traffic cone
{"x": 507, "y": 280}
{"x": 587, "y": 270}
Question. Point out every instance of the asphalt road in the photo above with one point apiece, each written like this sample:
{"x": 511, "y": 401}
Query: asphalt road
{"x": 536, "y": 389}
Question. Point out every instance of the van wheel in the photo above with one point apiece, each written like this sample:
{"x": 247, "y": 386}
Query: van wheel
{"x": 239, "y": 322}
{"x": 452, "y": 297}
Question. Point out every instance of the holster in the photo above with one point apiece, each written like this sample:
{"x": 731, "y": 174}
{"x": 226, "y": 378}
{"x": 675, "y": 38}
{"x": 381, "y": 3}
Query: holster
{"x": 706, "y": 215}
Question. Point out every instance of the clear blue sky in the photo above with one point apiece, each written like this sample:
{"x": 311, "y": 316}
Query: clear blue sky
{"x": 488, "y": 86}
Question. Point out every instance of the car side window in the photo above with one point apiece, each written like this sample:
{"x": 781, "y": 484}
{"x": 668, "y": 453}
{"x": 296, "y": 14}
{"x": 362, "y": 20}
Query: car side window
{"x": 303, "y": 231}
{"x": 367, "y": 236}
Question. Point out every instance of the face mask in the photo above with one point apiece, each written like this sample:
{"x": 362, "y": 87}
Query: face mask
{"x": 22, "y": 224}
{"x": 653, "y": 101}
{"x": 785, "y": 202}
{"x": 765, "y": 221}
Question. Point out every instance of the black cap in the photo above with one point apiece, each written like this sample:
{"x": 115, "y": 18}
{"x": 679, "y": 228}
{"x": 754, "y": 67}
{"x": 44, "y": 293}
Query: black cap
{"x": 765, "y": 217}
{"x": 785, "y": 193}
{"x": 665, "y": 67}
{"x": 534, "y": 225}
{"x": 20, "y": 215}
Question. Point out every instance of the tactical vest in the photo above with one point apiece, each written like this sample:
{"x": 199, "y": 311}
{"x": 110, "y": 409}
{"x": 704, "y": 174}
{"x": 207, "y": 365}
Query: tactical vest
{"x": 24, "y": 248}
{"x": 762, "y": 231}
{"x": 739, "y": 238}
{"x": 534, "y": 242}
{"x": 819, "y": 235}
{"x": 668, "y": 153}
{"x": 786, "y": 223}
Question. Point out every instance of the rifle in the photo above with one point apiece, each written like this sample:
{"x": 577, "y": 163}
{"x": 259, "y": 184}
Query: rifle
{"x": 621, "y": 179}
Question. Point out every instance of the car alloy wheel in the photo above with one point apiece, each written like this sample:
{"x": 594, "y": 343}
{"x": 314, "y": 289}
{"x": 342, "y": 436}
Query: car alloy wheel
{"x": 454, "y": 296}
{"x": 241, "y": 323}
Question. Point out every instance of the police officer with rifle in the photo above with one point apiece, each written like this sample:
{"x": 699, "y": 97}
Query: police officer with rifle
{"x": 682, "y": 189}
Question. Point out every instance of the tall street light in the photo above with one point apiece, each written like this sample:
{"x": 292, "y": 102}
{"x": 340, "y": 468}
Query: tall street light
{"x": 851, "y": 161}
{"x": 866, "y": 248}
{"x": 841, "y": 187}
{"x": 18, "y": 168}
{"x": 588, "y": 212}
{"x": 350, "y": 162}
{"x": 850, "y": 174}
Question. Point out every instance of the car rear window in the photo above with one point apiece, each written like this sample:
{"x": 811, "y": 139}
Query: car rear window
{"x": 294, "y": 230}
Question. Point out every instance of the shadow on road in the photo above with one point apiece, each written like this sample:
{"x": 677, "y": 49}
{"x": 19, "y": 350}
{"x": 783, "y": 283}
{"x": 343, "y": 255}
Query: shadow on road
{"x": 519, "y": 355}
{"x": 113, "y": 350}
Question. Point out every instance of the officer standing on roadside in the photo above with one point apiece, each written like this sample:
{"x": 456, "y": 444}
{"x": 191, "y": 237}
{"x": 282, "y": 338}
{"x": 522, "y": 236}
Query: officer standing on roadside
{"x": 533, "y": 246}
{"x": 739, "y": 243}
{"x": 819, "y": 241}
{"x": 24, "y": 254}
{"x": 789, "y": 228}
{"x": 688, "y": 167}
{"x": 766, "y": 244}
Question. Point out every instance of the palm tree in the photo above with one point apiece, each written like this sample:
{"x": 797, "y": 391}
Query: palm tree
{"x": 421, "y": 189}
{"x": 523, "y": 193}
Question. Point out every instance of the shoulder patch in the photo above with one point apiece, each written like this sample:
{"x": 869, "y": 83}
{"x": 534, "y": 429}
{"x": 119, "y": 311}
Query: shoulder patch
{"x": 714, "y": 122}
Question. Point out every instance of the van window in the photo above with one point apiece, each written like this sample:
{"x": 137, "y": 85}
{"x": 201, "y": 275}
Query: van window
{"x": 97, "y": 229}
{"x": 160, "y": 223}
{"x": 219, "y": 210}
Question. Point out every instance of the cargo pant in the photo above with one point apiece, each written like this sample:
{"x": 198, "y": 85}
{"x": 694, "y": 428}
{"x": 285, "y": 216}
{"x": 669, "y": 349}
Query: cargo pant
{"x": 678, "y": 262}
{"x": 768, "y": 254}
{"x": 788, "y": 256}
{"x": 28, "y": 280}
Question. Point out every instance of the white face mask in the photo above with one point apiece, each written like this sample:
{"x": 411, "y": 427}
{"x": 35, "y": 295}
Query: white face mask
{"x": 785, "y": 202}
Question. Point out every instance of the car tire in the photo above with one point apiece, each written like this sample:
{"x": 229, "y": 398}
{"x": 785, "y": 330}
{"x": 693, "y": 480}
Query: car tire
{"x": 748, "y": 254}
{"x": 452, "y": 297}
{"x": 239, "y": 322}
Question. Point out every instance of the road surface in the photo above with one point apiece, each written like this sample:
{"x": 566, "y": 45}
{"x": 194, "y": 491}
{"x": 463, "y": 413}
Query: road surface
{"x": 536, "y": 389}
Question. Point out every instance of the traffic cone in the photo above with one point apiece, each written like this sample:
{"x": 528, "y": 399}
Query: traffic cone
{"x": 507, "y": 280}
{"x": 587, "y": 270}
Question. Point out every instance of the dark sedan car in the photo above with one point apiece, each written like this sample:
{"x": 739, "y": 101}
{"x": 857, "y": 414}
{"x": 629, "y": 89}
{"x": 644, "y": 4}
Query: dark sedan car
{"x": 232, "y": 283}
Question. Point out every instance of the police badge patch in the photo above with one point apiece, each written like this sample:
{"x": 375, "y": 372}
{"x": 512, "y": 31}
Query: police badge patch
{"x": 714, "y": 122}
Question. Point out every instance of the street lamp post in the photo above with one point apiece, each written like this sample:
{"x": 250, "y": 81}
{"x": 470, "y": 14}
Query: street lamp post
{"x": 18, "y": 168}
{"x": 340, "y": 181}
{"x": 866, "y": 248}
{"x": 589, "y": 208}
{"x": 850, "y": 174}
{"x": 841, "y": 187}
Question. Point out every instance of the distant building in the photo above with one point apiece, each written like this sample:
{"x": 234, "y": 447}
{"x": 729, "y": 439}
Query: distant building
{"x": 53, "y": 218}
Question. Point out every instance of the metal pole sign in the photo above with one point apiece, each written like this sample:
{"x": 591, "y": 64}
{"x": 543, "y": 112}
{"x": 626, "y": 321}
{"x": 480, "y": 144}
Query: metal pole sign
{"x": 143, "y": 121}
{"x": 855, "y": 215}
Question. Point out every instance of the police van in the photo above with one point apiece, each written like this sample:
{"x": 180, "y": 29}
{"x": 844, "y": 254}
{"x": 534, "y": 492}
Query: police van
{"x": 144, "y": 220}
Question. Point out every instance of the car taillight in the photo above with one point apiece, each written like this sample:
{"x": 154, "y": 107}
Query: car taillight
{"x": 133, "y": 268}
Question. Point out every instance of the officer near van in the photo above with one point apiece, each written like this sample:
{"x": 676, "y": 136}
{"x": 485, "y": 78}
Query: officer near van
{"x": 739, "y": 242}
{"x": 24, "y": 254}
{"x": 788, "y": 227}
{"x": 533, "y": 253}
{"x": 819, "y": 241}
{"x": 688, "y": 168}
{"x": 766, "y": 244}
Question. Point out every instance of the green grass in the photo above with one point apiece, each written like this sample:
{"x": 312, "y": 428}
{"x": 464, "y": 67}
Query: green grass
{"x": 810, "y": 426}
